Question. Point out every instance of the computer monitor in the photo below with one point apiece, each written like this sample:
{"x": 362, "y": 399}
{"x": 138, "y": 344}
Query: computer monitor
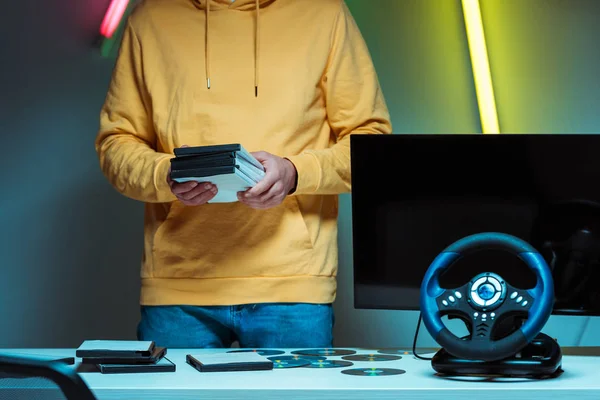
{"x": 413, "y": 195}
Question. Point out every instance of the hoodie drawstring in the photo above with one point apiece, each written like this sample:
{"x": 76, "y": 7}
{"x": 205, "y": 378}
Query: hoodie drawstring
{"x": 207, "y": 45}
{"x": 256, "y": 46}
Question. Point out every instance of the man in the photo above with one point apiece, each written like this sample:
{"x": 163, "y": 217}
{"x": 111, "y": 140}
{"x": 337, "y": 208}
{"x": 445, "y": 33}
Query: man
{"x": 290, "y": 80}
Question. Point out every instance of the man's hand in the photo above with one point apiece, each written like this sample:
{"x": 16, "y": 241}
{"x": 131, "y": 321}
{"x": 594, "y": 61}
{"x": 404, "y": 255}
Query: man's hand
{"x": 278, "y": 182}
{"x": 192, "y": 193}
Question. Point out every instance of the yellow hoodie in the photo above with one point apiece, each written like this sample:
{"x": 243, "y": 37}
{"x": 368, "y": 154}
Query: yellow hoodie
{"x": 293, "y": 78}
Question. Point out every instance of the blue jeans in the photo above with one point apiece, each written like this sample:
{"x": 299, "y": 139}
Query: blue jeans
{"x": 253, "y": 326}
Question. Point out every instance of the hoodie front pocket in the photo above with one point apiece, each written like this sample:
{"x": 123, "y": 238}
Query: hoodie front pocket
{"x": 231, "y": 240}
{"x": 296, "y": 211}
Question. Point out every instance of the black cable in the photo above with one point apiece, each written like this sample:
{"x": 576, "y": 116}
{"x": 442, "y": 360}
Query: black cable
{"x": 414, "y": 348}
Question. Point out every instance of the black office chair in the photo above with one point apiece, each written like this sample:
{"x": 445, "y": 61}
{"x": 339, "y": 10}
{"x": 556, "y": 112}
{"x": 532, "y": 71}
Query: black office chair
{"x": 28, "y": 377}
{"x": 568, "y": 236}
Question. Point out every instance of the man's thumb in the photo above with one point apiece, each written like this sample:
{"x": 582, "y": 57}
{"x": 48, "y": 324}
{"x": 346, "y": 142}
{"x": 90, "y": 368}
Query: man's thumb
{"x": 261, "y": 155}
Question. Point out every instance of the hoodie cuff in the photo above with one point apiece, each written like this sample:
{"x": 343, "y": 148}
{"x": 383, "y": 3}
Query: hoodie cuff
{"x": 308, "y": 172}
{"x": 163, "y": 190}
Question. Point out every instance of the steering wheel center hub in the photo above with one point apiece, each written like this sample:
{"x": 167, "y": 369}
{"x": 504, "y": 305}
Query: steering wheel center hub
{"x": 487, "y": 291}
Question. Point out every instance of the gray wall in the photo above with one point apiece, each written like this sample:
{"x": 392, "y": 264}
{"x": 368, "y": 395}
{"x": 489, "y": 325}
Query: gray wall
{"x": 71, "y": 246}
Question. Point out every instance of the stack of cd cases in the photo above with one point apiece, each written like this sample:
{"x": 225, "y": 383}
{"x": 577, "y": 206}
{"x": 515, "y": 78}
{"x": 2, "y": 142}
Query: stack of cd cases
{"x": 124, "y": 356}
{"x": 229, "y": 167}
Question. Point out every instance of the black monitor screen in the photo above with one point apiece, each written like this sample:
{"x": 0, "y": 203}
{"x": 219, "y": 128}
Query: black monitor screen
{"x": 413, "y": 195}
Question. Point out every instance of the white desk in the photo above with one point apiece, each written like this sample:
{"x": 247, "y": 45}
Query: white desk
{"x": 580, "y": 381}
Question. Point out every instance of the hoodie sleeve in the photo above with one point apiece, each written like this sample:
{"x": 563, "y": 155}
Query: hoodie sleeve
{"x": 355, "y": 104}
{"x": 126, "y": 141}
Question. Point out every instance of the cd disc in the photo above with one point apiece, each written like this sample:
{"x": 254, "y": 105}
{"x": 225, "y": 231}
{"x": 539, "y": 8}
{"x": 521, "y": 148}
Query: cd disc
{"x": 298, "y": 357}
{"x": 373, "y": 371}
{"x": 371, "y": 357}
{"x": 328, "y": 364}
{"x": 262, "y": 352}
{"x": 278, "y": 363}
{"x": 324, "y": 352}
{"x": 394, "y": 351}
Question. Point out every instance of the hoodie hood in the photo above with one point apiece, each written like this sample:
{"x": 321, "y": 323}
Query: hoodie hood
{"x": 238, "y": 5}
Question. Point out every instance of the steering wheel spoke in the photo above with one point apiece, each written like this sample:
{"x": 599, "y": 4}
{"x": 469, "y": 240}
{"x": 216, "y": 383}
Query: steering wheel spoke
{"x": 454, "y": 301}
{"x": 517, "y": 300}
{"x": 483, "y": 325}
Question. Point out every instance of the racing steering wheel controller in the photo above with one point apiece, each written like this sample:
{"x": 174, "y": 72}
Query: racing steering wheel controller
{"x": 485, "y": 303}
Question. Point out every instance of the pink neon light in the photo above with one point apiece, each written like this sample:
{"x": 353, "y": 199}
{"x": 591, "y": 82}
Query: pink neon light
{"x": 113, "y": 17}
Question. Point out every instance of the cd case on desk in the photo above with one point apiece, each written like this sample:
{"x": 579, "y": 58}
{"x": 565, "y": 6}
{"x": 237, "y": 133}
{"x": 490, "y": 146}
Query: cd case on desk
{"x": 230, "y": 167}
{"x": 229, "y": 362}
{"x": 162, "y": 365}
{"x": 157, "y": 354}
{"x": 115, "y": 348}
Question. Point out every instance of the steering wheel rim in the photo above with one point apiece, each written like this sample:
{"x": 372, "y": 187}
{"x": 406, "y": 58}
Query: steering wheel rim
{"x": 436, "y": 301}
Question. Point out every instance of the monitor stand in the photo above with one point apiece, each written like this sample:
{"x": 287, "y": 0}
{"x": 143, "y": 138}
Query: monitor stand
{"x": 540, "y": 359}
